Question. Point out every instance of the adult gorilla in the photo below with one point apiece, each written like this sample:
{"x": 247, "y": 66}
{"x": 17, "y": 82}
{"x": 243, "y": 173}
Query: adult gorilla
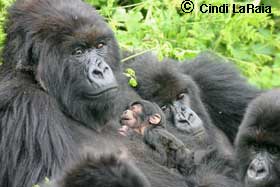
{"x": 187, "y": 118}
{"x": 180, "y": 97}
{"x": 58, "y": 93}
{"x": 257, "y": 142}
{"x": 224, "y": 93}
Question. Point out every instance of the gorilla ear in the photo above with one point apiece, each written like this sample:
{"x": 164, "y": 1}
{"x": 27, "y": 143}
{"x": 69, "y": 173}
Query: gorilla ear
{"x": 155, "y": 119}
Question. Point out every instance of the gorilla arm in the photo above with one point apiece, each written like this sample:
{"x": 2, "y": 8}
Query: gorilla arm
{"x": 173, "y": 152}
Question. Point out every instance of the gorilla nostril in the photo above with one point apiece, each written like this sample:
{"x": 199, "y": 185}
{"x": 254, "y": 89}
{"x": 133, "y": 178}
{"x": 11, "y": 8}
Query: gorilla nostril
{"x": 190, "y": 117}
{"x": 105, "y": 69}
{"x": 99, "y": 64}
{"x": 97, "y": 73}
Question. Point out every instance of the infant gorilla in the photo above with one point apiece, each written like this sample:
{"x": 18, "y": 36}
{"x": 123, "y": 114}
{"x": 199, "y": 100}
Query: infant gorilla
{"x": 147, "y": 119}
{"x": 199, "y": 166}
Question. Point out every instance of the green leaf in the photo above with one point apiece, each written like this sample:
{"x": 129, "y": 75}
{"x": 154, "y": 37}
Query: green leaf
{"x": 133, "y": 83}
{"x": 130, "y": 73}
{"x": 47, "y": 180}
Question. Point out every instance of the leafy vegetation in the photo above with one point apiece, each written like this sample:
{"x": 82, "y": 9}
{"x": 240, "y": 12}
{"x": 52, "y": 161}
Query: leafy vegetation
{"x": 251, "y": 41}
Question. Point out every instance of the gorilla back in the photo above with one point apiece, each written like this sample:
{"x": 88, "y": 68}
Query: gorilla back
{"x": 58, "y": 92}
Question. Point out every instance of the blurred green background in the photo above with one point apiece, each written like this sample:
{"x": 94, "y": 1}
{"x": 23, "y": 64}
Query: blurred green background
{"x": 251, "y": 41}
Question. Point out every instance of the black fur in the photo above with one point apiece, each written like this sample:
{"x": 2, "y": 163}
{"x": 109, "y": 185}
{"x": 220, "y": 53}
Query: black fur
{"x": 224, "y": 92}
{"x": 162, "y": 83}
{"x": 200, "y": 165}
{"x": 47, "y": 110}
{"x": 212, "y": 174}
{"x": 36, "y": 135}
{"x": 102, "y": 171}
{"x": 257, "y": 142}
{"x": 212, "y": 151}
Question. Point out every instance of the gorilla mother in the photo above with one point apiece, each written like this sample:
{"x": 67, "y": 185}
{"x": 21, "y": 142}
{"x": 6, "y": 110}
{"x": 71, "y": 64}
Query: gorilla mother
{"x": 59, "y": 92}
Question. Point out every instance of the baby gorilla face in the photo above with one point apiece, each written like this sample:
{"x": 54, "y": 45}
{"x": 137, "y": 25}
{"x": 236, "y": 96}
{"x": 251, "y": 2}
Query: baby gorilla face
{"x": 130, "y": 119}
{"x": 131, "y": 116}
{"x": 140, "y": 115}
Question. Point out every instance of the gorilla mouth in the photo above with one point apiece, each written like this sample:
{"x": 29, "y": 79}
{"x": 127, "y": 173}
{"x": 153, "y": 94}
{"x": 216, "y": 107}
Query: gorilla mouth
{"x": 184, "y": 121}
{"x": 106, "y": 89}
{"x": 199, "y": 132}
{"x": 126, "y": 119}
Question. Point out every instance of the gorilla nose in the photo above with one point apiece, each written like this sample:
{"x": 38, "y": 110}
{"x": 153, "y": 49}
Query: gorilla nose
{"x": 99, "y": 72}
{"x": 258, "y": 170}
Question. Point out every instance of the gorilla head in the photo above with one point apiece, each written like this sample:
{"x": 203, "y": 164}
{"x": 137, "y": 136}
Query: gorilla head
{"x": 258, "y": 147}
{"x": 180, "y": 97}
{"x": 102, "y": 171}
{"x": 69, "y": 50}
{"x": 177, "y": 94}
{"x": 187, "y": 118}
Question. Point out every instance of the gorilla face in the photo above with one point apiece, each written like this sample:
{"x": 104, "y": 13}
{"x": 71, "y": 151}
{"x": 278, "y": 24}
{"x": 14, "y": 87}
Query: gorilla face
{"x": 82, "y": 70}
{"x": 73, "y": 54}
{"x": 179, "y": 98}
{"x": 186, "y": 110}
{"x": 258, "y": 148}
{"x": 186, "y": 119}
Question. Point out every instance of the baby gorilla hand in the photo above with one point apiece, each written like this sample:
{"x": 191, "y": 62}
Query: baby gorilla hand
{"x": 124, "y": 130}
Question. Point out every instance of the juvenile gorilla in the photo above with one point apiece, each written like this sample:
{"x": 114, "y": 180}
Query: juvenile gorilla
{"x": 60, "y": 92}
{"x": 257, "y": 143}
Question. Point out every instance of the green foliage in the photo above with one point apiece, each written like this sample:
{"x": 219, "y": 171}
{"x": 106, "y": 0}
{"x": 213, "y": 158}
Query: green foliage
{"x": 251, "y": 41}
{"x": 3, "y": 12}
{"x": 130, "y": 73}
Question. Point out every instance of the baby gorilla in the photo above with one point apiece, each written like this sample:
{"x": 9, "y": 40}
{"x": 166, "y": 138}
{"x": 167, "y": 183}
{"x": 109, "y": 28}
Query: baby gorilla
{"x": 139, "y": 115}
{"x": 198, "y": 166}
{"x": 147, "y": 119}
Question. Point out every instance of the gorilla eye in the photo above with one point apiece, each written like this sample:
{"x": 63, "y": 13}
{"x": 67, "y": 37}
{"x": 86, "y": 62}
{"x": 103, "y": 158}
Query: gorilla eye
{"x": 273, "y": 149}
{"x": 78, "y": 51}
{"x": 180, "y": 96}
{"x": 256, "y": 146}
{"x": 163, "y": 108}
{"x": 100, "y": 45}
